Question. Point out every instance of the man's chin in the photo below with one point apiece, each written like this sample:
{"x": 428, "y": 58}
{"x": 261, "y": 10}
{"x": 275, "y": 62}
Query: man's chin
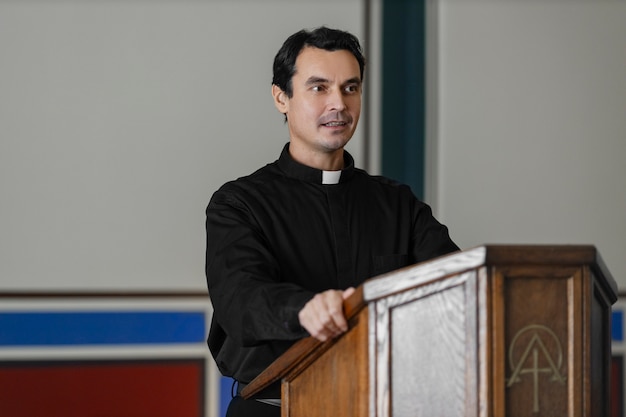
{"x": 336, "y": 140}
{"x": 335, "y": 144}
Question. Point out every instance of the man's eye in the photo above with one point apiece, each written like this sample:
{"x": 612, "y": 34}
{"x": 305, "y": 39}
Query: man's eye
{"x": 318, "y": 88}
{"x": 352, "y": 88}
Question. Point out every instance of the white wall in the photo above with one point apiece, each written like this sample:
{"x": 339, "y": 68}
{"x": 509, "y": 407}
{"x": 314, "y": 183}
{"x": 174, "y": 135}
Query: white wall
{"x": 528, "y": 128}
{"x": 119, "y": 119}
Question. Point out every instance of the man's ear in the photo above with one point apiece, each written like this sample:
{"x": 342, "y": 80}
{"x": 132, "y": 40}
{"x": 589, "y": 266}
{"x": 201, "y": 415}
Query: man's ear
{"x": 281, "y": 101}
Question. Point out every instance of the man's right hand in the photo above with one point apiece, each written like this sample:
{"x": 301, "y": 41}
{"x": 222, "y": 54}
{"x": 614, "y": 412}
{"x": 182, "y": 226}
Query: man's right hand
{"x": 323, "y": 315}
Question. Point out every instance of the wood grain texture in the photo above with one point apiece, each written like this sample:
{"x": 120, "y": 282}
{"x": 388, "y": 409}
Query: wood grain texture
{"x": 338, "y": 384}
{"x": 539, "y": 336}
{"x": 494, "y": 331}
{"x": 427, "y": 350}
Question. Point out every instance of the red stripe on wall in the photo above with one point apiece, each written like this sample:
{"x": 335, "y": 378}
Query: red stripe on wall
{"x": 103, "y": 389}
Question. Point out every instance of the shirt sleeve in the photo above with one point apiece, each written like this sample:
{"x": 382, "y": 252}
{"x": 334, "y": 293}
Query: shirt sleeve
{"x": 252, "y": 302}
{"x": 430, "y": 238}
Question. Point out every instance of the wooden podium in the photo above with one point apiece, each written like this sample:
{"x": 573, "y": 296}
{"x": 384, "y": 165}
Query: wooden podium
{"x": 489, "y": 332}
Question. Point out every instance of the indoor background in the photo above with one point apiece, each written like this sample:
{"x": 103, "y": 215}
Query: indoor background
{"x": 119, "y": 119}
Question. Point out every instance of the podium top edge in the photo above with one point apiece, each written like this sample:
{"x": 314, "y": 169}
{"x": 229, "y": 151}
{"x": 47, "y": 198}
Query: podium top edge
{"x": 490, "y": 255}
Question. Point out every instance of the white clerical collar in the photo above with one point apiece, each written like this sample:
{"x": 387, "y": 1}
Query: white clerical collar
{"x": 331, "y": 177}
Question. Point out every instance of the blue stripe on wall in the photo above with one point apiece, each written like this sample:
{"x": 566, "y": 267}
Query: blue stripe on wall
{"x": 617, "y": 326}
{"x": 100, "y": 328}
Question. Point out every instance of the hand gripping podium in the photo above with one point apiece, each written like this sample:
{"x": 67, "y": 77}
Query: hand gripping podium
{"x": 489, "y": 332}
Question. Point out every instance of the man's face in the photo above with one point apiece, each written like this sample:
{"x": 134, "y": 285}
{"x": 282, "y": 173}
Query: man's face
{"x": 324, "y": 110}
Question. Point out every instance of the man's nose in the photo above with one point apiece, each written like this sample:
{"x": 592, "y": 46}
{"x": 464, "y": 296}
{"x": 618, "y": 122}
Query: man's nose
{"x": 336, "y": 100}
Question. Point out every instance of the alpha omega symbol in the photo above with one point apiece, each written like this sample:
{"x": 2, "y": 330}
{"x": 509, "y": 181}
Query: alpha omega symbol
{"x": 529, "y": 355}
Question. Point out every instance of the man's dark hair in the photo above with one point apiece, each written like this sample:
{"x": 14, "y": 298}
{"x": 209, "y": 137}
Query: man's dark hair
{"x": 322, "y": 38}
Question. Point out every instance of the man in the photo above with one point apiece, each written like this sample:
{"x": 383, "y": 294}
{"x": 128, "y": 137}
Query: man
{"x": 287, "y": 244}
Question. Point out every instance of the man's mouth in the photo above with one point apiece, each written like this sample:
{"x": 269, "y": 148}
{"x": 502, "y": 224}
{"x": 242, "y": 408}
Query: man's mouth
{"x": 335, "y": 119}
{"x": 334, "y": 124}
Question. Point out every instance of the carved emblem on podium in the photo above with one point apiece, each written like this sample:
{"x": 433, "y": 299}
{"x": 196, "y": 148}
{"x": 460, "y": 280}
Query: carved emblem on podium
{"x": 535, "y": 355}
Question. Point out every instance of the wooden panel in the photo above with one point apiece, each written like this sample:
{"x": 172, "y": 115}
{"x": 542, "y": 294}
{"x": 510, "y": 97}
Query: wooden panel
{"x": 428, "y": 360}
{"x": 542, "y": 341}
{"x": 338, "y": 383}
{"x": 429, "y": 336}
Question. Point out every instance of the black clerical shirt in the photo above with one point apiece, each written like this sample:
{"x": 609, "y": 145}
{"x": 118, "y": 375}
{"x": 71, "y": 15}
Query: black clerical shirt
{"x": 278, "y": 236}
